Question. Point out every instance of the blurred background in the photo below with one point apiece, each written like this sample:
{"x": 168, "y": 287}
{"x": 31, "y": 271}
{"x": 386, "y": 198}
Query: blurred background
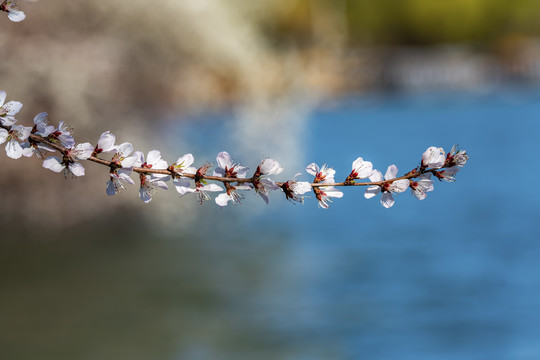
{"x": 456, "y": 276}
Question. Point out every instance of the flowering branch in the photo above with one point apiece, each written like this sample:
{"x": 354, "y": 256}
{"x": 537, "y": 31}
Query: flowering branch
{"x": 154, "y": 172}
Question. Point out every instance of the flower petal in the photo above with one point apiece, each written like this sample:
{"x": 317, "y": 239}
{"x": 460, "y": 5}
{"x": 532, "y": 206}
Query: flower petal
{"x": 312, "y": 169}
{"x": 3, "y": 135}
{"x": 185, "y": 161}
{"x": 270, "y": 167}
{"x": 391, "y": 172}
{"x": 222, "y": 199}
{"x": 14, "y": 149}
{"x": 106, "y": 141}
{"x": 12, "y": 108}
{"x": 224, "y": 160}
{"x": 153, "y": 157}
{"x": 375, "y": 176}
{"x": 53, "y": 163}
{"x": 372, "y": 191}
{"x": 399, "y": 186}
{"x": 387, "y": 200}
{"x": 76, "y": 169}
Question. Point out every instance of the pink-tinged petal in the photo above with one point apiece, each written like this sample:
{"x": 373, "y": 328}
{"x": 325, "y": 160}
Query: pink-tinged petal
{"x": 391, "y": 172}
{"x": 224, "y": 160}
{"x": 363, "y": 168}
{"x": 83, "y": 151}
{"x": 270, "y": 167}
{"x": 53, "y": 163}
{"x": 12, "y": 108}
{"x": 371, "y": 191}
{"x": 181, "y": 184}
{"x": 387, "y": 200}
{"x": 67, "y": 140}
{"x": 41, "y": 119}
{"x": 14, "y": 149}
{"x": 153, "y": 157}
{"x": 223, "y": 199}
{"x": 219, "y": 172}
{"x": 328, "y": 174}
{"x": 124, "y": 149}
{"x": 244, "y": 187}
{"x": 185, "y": 161}
{"x": 3, "y": 135}
{"x": 76, "y": 169}
{"x": 24, "y": 132}
{"x": 433, "y": 157}
{"x": 332, "y": 192}
{"x": 312, "y": 169}
{"x": 8, "y": 120}
{"x": 417, "y": 193}
{"x": 129, "y": 161}
{"x": 106, "y": 141}
{"x": 186, "y": 190}
{"x": 269, "y": 184}
{"x": 161, "y": 184}
{"x": 111, "y": 188}
{"x": 145, "y": 195}
{"x": 376, "y": 176}
{"x": 301, "y": 187}
{"x": 399, "y": 186}
{"x": 139, "y": 156}
{"x": 160, "y": 164}
{"x": 16, "y": 16}
{"x": 3, "y": 96}
{"x": 28, "y": 150}
{"x": 241, "y": 171}
{"x": 212, "y": 187}
{"x": 124, "y": 175}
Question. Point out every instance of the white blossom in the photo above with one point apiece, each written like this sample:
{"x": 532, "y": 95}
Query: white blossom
{"x": 122, "y": 156}
{"x": 14, "y": 137}
{"x": 8, "y": 110}
{"x": 64, "y": 134}
{"x": 448, "y": 174}
{"x": 433, "y": 157}
{"x": 14, "y": 12}
{"x": 456, "y": 157}
{"x": 231, "y": 194}
{"x": 182, "y": 166}
{"x": 262, "y": 184}
{"x": 226, "y": 167}
{"x": 69, "y": 163}
{"x": 183, "y": 188}
{"x": 361, "y": 169}
{"x": 105, "y": 143}
{"x": 150, "y": 182}
{"x": 421, "y": 186}
{"x": 387, "y": 188}
{"x": 294, "y": 189}
{"x": 117, "y": 178}
{"x": 324, "y": 175}
{"x": 270, "y": 167}
{"x": 41, "y": 125}
{"x": 54, "y": 163}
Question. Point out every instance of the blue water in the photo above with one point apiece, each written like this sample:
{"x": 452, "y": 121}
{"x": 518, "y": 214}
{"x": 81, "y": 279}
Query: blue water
{"x": 456, "y": 276}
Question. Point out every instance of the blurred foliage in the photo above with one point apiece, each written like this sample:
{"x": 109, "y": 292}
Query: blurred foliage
{"x": 419, "y": 22}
